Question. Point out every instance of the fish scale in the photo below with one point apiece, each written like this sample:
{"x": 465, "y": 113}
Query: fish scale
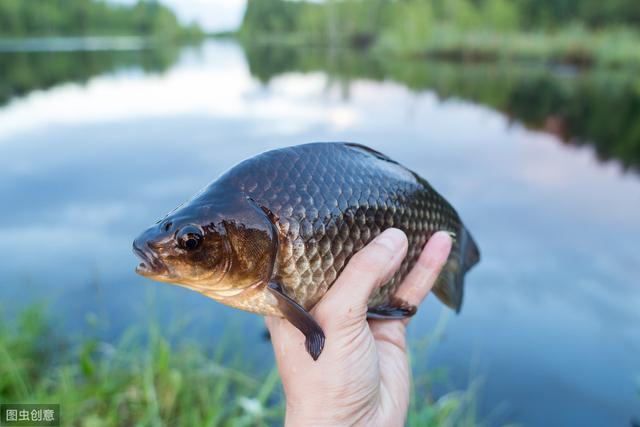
{"x": 330, "y": 200}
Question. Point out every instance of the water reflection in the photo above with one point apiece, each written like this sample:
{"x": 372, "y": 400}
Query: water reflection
{"x": 593, "y": 107}
{"x": 550, "y": 317}
{"x": 23, "y": 72}
{"x": 596, "y": 108}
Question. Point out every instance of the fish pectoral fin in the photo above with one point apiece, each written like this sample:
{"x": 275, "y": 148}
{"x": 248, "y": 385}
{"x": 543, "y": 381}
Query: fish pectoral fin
{"x": 301, "y": 319}
{"x": 394, "y": 309}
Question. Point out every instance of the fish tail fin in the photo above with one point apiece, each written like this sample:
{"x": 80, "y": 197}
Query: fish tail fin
{"x": 470, "y": 251}
{"x": 449, "y": 287}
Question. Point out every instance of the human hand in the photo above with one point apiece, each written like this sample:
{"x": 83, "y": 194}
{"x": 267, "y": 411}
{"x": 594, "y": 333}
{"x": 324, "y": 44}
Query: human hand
{"x": 362, "y": 375}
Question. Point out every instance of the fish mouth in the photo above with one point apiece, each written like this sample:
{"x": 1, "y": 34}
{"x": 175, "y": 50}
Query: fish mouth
{"x": 150, "y": 265}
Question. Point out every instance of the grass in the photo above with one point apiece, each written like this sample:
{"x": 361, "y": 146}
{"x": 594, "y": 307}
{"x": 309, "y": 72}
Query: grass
{"x": 143, "y": 379}
{"x": 140, "y": 379}
{"x": 458, "y": 408}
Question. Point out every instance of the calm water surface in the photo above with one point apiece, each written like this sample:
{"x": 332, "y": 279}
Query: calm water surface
{"x": 550, "y": 324}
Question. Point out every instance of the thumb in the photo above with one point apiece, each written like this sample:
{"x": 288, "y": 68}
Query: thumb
{"x": 370, "y": 267}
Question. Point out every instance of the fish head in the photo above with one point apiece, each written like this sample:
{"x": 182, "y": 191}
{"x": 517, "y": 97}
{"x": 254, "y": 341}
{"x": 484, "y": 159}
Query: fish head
{"x": 183, "y": 249}
{"x": 219, "y": 248}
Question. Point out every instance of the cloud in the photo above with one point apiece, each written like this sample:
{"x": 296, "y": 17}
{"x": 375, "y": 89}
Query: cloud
{"x": 220, "y": 88}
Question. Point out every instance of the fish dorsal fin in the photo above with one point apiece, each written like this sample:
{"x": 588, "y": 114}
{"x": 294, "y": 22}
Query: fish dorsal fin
{"x": 370, "y": 151}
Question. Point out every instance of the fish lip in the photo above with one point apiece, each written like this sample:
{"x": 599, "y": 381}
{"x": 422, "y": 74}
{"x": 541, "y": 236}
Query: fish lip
{"x": 144, "y": 270}
{"x": 150, "y": 265}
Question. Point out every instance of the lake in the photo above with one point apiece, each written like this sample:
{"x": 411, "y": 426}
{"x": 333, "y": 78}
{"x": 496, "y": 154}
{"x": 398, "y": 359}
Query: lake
{"x": 540, "y": 161}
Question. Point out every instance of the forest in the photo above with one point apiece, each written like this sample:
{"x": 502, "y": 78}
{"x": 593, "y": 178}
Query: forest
{"x": 33, "y": 18}
{"x": 582, "y": 32}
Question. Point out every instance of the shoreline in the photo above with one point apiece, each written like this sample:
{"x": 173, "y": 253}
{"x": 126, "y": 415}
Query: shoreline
{"x": 573, "y": 47}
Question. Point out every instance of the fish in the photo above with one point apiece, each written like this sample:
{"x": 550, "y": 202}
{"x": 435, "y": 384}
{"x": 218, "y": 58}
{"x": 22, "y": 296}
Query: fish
{"x": 273, "y": 233}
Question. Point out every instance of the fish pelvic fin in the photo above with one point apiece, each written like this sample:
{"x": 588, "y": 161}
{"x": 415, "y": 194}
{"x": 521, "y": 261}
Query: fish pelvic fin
{"x": 301, "y": 319}
{"x": 449, "y": 287}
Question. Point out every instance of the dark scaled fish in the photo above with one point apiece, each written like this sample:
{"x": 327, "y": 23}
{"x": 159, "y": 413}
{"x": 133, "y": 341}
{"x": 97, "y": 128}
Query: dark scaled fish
{"x": 272, "y": 234}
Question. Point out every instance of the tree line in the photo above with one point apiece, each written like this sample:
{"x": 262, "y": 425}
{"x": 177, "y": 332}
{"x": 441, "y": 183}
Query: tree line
{"x": 35, "y": 18}
{"x": 333, "y": 17}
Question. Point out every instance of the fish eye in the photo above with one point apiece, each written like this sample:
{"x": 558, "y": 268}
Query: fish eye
{"x": 189, "y": 237}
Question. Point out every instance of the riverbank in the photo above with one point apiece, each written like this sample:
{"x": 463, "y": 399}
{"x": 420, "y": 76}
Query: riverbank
{"x": 75, "y": 44}
{"x": 573, "y": 46}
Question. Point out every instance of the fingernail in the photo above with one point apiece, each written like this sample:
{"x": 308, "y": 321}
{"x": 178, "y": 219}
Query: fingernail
{"x": 391, "y": 239}
{"x": 441, "y": 243}
{"x": 442, "y": 238}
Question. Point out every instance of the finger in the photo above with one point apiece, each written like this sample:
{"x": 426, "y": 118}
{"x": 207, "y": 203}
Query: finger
{"x": 424, "y": 274}
{"x": 369, "y": 268}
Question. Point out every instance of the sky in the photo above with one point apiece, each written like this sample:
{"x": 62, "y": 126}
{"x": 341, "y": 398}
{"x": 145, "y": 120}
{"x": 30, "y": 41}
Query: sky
{"x": 212, "y": 15}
